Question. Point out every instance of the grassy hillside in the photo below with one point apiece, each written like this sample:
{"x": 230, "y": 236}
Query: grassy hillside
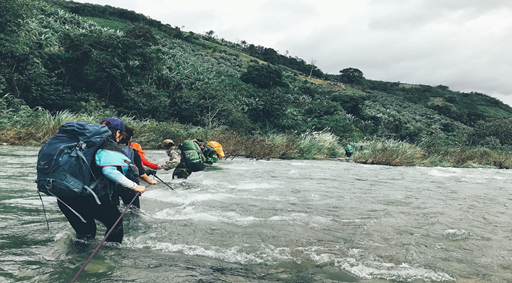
{"x": 464, "y": 107}
{"x": 99, "y": 60}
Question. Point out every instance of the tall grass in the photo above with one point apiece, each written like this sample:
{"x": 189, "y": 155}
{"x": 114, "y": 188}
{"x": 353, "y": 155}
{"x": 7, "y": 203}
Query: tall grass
{"x": 319, "y": 145}
{"x": 388, "y": 152}
{"x": 34, "y": 127}
{"x": 398, "y": 153}
{"x": 311, "y": 145}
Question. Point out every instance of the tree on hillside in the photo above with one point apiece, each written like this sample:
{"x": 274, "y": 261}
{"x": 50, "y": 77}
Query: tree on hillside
{"x": 263, "y": 76}
{"x": 352, "y": 76}
{"x": 271, "y": 56}
{"x": 210, "y": 33}
{"x": 313, "y": 66}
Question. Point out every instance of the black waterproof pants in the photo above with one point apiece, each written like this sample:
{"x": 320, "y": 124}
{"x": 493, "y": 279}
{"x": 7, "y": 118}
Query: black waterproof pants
{"x": 128, "y": 195}
{"x": 106, "y": 212}
{"x": 181, "y": 173}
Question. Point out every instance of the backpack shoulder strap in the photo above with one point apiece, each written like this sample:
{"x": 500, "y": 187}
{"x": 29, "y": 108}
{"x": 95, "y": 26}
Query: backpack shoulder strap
{"x": 129, "y": 152}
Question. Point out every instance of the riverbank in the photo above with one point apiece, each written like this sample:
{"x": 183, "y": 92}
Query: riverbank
{"x": 33, "y": 128}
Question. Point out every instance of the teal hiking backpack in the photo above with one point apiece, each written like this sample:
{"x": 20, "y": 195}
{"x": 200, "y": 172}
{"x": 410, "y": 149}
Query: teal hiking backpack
{"x": 193, "y": 155}
{"x": 64, "y": 161}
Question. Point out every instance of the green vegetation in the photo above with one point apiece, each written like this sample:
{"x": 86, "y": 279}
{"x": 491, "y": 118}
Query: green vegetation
{"x": 64, "y": 61}
{"x": 393, "y": 153}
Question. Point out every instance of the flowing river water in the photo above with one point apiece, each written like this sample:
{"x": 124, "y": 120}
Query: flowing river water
{"x": 244, "y": 220}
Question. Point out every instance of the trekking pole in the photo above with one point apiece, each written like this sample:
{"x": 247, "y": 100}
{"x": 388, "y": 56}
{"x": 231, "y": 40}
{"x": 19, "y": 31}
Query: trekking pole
{"x": 104, "y": 238}
{"x": 163, "y": 182}
{"x": 151, "y": 172}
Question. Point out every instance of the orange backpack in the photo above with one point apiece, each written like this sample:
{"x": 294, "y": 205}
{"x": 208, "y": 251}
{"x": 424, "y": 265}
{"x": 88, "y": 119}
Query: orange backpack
{"x": 218, "y": 148}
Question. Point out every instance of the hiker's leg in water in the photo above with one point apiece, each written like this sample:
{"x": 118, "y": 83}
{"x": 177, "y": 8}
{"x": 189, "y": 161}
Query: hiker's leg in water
{"x": 83, "y": 206}
{"x": 107, "y": 213}
{"x": 181, "y": 173}
{"x": 127, "y": 196}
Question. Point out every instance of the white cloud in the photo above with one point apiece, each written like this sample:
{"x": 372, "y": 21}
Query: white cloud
{"x": 463, "y": 44}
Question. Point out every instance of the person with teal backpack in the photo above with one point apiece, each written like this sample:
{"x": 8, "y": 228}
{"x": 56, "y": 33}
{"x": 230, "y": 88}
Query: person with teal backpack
{"x": 187, "y": 158}
{"x": 80, "y": 166}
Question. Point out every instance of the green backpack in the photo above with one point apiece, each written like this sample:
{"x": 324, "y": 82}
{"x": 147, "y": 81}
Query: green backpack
{"x": 210, "y": 154}
{"x": 193, "y": 155}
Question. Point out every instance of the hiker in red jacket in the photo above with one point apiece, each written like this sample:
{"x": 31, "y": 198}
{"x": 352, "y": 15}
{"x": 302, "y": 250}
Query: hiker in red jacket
{"x": 141, "y": 152}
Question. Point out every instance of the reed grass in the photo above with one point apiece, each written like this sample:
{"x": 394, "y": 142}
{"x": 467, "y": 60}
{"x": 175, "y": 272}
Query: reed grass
{"x": 34, "y": 127}
{"x": 319, "y": 145}
{"x": 388, "y": 152}
{"x": 398, "y": 153}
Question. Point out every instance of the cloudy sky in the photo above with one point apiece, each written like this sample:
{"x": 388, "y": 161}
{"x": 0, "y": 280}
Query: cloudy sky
{"x": 463, "y": 44}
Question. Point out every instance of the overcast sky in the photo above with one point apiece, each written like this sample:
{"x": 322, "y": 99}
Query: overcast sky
{"x": 463, "y": 44}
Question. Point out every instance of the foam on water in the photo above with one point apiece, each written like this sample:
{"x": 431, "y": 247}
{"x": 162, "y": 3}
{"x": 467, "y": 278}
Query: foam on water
{"x": 213, "y": 183}
{"x": 444, "y": 172}
{"x": 264, "y": 253}
{"x": 238, "y": 167}
{"x": 184, "y": 198}
{"x": 269, "y": 197}
{"x": 459, "y": 234}
{"x": 302, "y": 219}
{"x": 253, "y": 186}
{"x": 190, "y": 213}
{"x": 475, "y": 176}
{"x": 390, "y": 271}
{"x": 197, "y": 213}
{"x": 299, "y": 164}
{"x": 19, "y": 160}
{"x": 62, "y": 234}
{"x": 478, "y": 176}
{"x": 269, "y": 254}
{"x": 25, "y": 202}
{"x": 229, "y": 255}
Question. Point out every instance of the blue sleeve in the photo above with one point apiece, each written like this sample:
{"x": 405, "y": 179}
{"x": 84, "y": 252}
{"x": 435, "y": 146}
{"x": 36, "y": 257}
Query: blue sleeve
{"x": 106, "y": 158}
{"x": 114, "y": 175}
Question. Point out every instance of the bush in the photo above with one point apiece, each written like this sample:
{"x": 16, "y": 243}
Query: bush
{"x": 263, "y": 76}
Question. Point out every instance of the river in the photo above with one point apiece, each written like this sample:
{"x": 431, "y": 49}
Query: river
{"x": 244, "y": 220}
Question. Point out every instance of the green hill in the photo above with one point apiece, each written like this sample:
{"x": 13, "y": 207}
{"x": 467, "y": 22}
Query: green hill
{"x": 85, "y": 58}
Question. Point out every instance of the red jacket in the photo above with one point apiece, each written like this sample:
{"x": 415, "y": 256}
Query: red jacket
{"x": 141, "y": 152}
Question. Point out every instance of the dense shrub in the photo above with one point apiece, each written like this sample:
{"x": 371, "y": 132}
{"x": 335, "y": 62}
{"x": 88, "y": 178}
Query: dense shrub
{"x": 263, "y": 76}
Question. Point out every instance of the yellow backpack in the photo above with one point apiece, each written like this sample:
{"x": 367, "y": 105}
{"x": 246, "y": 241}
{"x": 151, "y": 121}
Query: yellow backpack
{"x": 218, "y": 148}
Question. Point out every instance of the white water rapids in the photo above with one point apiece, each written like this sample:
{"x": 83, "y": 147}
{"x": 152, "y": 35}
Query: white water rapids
{"x": 273, "y": 221}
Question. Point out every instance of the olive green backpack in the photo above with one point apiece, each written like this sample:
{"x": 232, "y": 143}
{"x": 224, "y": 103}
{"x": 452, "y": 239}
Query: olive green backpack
{"x": 193, "y": 155}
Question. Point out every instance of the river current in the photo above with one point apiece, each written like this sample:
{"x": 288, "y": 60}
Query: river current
{"x": 244, "y": 220}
